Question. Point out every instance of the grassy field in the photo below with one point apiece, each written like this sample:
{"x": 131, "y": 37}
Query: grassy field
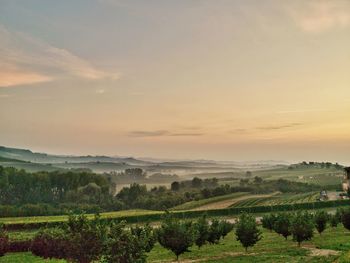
{"x": 278, "y": 199}
{"x": 199, "y": 203}
{"x": 333, "y": 245}
{"x": 307, "y": 174}
{"x": 40, "y": 219}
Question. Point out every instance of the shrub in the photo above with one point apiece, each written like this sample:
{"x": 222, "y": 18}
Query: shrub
{"x": 345, "y": 218}
{"x": 145, "y": 236}
{"x": 86, "y": 238}
{"x": 176, "y": 235}
{"x": 50, "y": 243}
{"x": 321, "y": 218}
{"x": 4, "y": 240}
{"x": 282, "y": 225}
{"x": 202, "y": 229}
{"x": 125, "y": 247}
{"x": 225, "y": 228}
{"x": 247, "y": 231}
{"x": 302, "y": 227}
{"x": 268, "y": 221}
{"x": 214, "y": 232}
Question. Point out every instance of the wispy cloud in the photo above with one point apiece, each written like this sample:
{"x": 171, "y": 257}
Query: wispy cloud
{"x": 279, "y": 127}
{"x": 317, "y": 16}
{"x": 28, "y": 60}
{"x": 159, "y": 133}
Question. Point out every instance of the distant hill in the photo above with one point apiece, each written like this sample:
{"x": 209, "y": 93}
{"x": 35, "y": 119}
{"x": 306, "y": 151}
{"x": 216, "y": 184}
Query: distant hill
{"x": 34, "y": 161}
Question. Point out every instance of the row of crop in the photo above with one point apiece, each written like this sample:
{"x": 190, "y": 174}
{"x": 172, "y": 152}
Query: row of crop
{"x": 193, "y": 214}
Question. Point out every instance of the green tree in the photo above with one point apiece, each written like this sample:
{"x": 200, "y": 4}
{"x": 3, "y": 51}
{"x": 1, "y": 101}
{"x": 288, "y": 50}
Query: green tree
{"x": 321, "y": 218}
{"x": 124, "y": 246}
{"x": 145, "y": 236}
{"x": 302, "y": 227}
{"x": 175, "y": 186}
{"x": 225, "y": 228}
{"x": 282, "y": 225}
{"x": 247, "y": 231}
{"x": 202, "y": 229}
{"x": 176, "y": 235}
{"x": 214, "y": 232}
{"x": 268, "y": 221}
{"x": 86, "y": 238}
{"x": 4, "y": 240}
{"x": 345, "y": 218}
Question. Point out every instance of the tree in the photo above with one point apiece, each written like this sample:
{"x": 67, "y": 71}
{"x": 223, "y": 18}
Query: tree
{"x": 282, "y": 225}
{"x": 258, "y": 180}
{"x": 202, "y": 229}
{"x": 302, "y": 227}
{"x": 4, "y": 240}
{"x": 176, "y": 235}
{"x": 345, "y": 218}
{"x": 145, "y": 236}
{"x": 175, "y": 186}
{"x": 214, "y": 232}
{"x": 86, "y": 238}
{"x": 334, "y": 221}
{"x": 321, "y": 218}
{"x": 196, "y": 182}
{"x": 225, "y": 228}
{"x": 124, "y": 246}
{"x": 247, "y": 231}
{"x": 268, "y": 221}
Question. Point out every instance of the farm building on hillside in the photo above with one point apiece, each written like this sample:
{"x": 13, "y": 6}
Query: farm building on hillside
{"x": 346, "y": 181}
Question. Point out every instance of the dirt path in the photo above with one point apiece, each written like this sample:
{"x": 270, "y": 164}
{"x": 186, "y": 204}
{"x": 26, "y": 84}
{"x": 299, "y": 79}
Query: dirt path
{"x": 229, "y": 202}
{"x": 318, "y": 252}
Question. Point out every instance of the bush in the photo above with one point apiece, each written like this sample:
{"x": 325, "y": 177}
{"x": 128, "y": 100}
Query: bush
{"x": 225, "y": 228}
{"x": 345, "y": 218}
{"x": 321, "y": 218}
{"x": 202, "y": 229}
{"x": 4, "y": 240}
{"x": 282, "y": 225}
{"x": 145, "y": 236}
{"x": 125, "y": 247}
{"x": 302, "y": 227}
{"x": 214, "y": 232}
{"x": 247, "y": 231}
{"x": 86, "y": 238}
{"x": 50, "y": 243}
{"x": 176, "y": 235}
{"x": 268, "y": 221}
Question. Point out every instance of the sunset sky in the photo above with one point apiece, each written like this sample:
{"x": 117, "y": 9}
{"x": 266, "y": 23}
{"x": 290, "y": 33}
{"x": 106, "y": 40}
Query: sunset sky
{"x": 211, "y": 79}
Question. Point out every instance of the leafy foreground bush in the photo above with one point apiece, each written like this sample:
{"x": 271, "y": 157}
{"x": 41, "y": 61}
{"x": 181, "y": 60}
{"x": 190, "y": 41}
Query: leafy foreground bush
{"x": 302, "y": 227}
{"x": 50, "y": 243}
{"x": 321, "y": 219}
{"x": 247, "y": 231}
{"x": 282, "y": 225}
{"x": 176, "y": 235}
{"x": 4, "y": 240}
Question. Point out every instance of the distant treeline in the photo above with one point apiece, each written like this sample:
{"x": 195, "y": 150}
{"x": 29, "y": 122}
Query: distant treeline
{"x": 139, "y": 175}
{"x": 327, "y": 165}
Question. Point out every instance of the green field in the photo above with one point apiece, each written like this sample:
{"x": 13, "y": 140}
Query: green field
{"x": 278, "y": 200}
{"x": 199, "y": 203}
{"x": 332, "y": 245}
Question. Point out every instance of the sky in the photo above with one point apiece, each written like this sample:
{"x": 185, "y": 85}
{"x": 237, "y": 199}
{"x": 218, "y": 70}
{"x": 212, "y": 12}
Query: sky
{"x": 201, "y": 79}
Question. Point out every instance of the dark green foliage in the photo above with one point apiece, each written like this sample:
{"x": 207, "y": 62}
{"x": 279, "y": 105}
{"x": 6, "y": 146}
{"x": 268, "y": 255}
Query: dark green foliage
{"x": 214, "y": 232}
{"x": 175, "y": 186}
{"x": 145, "y": 236}
{"x": 345, "y": 218}
{"x": 225, "y": 228}
{"x": 51, "y": 243}
{"x": 202, "y": 229}
{"x": 268, "y": 221}
{"x": 124, "y": 246}
{"x": 4, "y": 241}
{"x": 282, "y": 225}
{"x": 334, "y": 221}
{"x": 302, "y": 227}
{"x": 247, "y": 231}
{"x": 321, "y": 218}
{"x": 176, "y": 235}
{"x": 86, "y": 238}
